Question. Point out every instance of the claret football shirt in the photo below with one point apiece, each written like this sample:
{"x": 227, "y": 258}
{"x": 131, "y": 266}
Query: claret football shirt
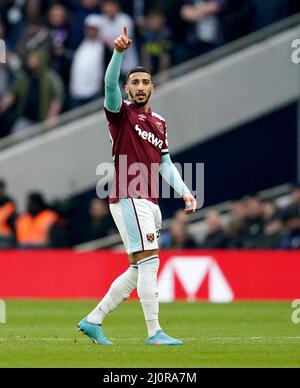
{"x": 138, "y": 140}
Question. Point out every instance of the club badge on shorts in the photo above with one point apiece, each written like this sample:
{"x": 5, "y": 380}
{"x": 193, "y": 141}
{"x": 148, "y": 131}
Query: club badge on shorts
{"x": 150, "y": 237}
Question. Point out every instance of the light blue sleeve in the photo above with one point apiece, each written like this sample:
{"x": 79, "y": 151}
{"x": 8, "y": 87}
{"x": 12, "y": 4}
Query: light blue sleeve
{"x": 171, "y": 175}
{"x": 113, "y": 95}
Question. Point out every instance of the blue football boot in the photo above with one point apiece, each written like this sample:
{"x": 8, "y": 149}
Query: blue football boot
{"x": 160, "y": 338}
{"x": 94, "y": 332}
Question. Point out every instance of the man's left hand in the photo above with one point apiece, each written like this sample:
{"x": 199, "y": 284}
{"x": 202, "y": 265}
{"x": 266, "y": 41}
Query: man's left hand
{"x": 190, "y": 203}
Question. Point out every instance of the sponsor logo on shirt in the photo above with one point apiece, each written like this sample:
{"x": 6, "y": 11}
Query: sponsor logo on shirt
{"x": 142, "y": 117}
{"x": 150, "y": 137}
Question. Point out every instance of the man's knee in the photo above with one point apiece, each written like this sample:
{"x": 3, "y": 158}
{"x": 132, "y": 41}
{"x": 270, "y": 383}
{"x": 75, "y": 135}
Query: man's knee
{"x": 137, "y": 256}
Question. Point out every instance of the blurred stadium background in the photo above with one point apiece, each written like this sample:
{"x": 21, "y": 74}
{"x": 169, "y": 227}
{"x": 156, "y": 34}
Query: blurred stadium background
{"x": 230, "y": 91}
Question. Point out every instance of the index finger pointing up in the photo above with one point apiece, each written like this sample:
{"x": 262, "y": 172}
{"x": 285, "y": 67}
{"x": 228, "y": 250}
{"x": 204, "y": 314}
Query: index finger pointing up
{"x": 125, "y": 32}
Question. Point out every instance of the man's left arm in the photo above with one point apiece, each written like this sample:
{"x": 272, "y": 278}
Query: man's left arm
{"x": 171, "y": 175}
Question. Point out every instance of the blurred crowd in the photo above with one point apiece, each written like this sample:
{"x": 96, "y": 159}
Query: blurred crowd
{"x": 250, "y": 223}
{"x": 61, "y": 224}
{"x": 57, "y": 51}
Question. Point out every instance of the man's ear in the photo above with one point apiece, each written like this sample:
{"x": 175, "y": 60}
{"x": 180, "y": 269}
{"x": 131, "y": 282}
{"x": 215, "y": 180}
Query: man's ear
{"x": 126, "y": 88}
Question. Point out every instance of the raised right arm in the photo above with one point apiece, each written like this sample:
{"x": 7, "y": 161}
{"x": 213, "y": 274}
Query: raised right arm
{"x": 113, "y": 95}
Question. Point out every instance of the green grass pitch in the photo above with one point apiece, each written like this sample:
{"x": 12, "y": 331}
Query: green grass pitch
{"x": 43, "y": 334}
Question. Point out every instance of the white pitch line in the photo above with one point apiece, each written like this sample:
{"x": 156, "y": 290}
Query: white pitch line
{"x": 140, "y": 339}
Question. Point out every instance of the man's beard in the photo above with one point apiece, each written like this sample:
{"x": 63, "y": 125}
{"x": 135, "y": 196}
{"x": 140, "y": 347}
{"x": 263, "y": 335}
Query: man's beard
{"x": 139, "y": 104}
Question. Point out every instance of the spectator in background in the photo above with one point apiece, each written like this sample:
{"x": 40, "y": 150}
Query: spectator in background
{"x": 36, "y": 7}
{"x": 61, "y": 53}
{"x": 181, "y": 30}
{"x": 37, "y": 93}
{"x": 239, "y": 212}
{"x": 7, "y": 74}
{"x": 234, "y": 232}
{"x": 292, "y": 239}
{"x": 255, "y": 224}
{"x": 138, "y": 9}
{"x": 4, "y": 75}
{"x": 60, "y": 233}
{"x": 215, "y": 237}
{"x": 291, "y": 216}
{"x": 101, "y": 223}
{"x": 273, "y": 233}
{"x": 205, "y": 31}
{"x": 7, "y": 218}
{"x": 182, "y": 217}
{"x": 35, "y": 37}
{"x": 237, "y": 19}
{"x": 157, "y": 43}
{"x": 11, "y": 16}
{"x": 80, "y": 10}
{"x": 270, "y": 210}
{"x": 111, "y": 22}
{"x": 177, "y": 236}
{"x": 294, "y": 207}
{"x": 33, "y": 228}
{"x": 273, "y": 228}
{"x": 270, "y": 11}
{"x": 33, "y": 10}
{"x": 87, "y": 70}
{"x": 294, "y": 6}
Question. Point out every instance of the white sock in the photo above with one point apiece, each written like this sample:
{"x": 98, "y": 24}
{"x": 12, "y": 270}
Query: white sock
{"x": 148, "y": 292}
{"x": 119, "y": 291}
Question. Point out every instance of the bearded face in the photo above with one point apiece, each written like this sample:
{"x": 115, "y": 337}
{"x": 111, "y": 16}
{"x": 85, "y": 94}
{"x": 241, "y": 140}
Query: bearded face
{"x": 139, "y": 88}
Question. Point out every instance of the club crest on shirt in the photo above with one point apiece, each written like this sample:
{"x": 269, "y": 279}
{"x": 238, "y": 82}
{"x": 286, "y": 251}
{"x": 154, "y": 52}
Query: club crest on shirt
{"x": 160, "y": 126}
{"x": 142, "y": 117}
{"x": 150, "y": 237}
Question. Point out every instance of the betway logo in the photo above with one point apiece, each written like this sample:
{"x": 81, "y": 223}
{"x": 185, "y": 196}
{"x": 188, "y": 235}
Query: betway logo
{"x": 192, "y": 272}
{"x": 150, "y": 137}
